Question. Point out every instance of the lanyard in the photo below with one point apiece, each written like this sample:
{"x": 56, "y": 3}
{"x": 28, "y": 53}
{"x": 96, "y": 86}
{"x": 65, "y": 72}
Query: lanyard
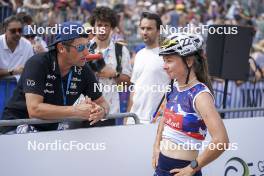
{"x": 64, "y": 93}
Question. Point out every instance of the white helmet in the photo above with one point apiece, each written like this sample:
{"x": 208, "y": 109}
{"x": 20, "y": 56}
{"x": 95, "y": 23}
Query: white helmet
{"x": 183, "y": 44}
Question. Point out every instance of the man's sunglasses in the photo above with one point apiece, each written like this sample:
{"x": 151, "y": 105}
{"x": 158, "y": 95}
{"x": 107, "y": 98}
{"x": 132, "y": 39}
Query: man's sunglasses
{"x": 15, "y": 30}
{"x": 80, "y": 47}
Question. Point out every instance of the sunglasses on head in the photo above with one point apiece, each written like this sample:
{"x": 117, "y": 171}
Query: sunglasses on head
{"x": 15, "y": 30}
{"x": 79, "y": 47}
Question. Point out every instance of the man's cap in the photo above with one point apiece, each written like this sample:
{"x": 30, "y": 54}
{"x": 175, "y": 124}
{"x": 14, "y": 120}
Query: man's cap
{"x": 69, "y": 31}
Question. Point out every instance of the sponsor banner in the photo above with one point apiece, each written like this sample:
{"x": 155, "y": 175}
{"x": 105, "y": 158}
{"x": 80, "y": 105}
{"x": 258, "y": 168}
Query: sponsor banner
{"x": 248, "y": 158}
{"x": 122, "y": 150}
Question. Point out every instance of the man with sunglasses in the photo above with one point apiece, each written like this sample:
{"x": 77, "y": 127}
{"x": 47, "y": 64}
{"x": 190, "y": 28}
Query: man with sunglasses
{"x": 14, "y": 49}
{"x": 53, "y": 81}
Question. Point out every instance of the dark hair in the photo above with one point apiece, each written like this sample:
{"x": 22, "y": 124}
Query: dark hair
{"x": 152, "y": 16}
{"x": 27, "y": 19}
{"x": 66, "y": 44}
{"x": 11, "y": 19}
{"x": 200, "y": 66}
{"x": 104, "y": 14}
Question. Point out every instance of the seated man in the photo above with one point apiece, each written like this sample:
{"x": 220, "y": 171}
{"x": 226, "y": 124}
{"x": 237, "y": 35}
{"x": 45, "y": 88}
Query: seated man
{"x": 52, "y": 82}
{"x": 14, "y": 49}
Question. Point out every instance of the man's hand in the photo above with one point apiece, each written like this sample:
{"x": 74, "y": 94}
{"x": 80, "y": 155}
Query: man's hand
{"x": 83, "y": 110}
{"x": 18, "y": 70}
{"x": 107, "y": 72}
{"x": 97, "y": 113}
{"x": 38, "y": 48}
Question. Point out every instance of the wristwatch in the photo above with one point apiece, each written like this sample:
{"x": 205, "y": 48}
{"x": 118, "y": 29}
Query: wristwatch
{"x": 11, "y": 72}
{"x": 117, "y": 75}
{"x": 194, "y": 164}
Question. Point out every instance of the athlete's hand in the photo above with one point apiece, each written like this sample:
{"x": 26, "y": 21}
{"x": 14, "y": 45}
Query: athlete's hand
{"x": 186, "y": 171}
{"x": 155, "y": 156}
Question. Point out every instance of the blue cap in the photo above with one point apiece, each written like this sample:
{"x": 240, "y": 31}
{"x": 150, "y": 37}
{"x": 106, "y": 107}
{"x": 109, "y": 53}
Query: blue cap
{"x": 69, "y": 31}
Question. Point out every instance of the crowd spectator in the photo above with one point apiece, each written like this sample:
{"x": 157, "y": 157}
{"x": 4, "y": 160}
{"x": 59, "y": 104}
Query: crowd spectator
{"x": 14, "y": 49}
{"x": 257, "y": 61}
{"x": 39, "y": 45}
{"x": 148, "y": 71}
{"x": 117, "y": 67}
{"x": 87, "y": 7}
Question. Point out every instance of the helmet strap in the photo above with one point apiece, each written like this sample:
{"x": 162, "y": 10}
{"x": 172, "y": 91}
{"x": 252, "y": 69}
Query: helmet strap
{"x": 188, "y": 70}
{"x": 188, "y": 75}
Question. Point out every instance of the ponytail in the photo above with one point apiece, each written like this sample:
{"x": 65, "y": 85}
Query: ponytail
{"x": 201, "y": 70}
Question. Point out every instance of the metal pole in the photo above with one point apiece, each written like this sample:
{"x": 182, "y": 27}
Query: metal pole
{"x": 33, "y": 121}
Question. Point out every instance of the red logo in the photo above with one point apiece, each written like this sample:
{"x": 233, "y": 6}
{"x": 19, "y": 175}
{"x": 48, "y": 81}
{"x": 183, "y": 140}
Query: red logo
{"x": 173, "y": 120}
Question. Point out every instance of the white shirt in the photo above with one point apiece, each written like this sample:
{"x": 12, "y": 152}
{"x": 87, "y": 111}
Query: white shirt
{"x": 150, "y": 81}
{"x": 112, "y": 96}
{"x": 11, "y": 60}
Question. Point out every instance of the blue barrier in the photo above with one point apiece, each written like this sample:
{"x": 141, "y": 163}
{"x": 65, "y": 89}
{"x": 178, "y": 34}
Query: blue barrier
{"x": 244, "y": 95}
{"x": 124, "y": 97}
{"x": 7, "y": 87}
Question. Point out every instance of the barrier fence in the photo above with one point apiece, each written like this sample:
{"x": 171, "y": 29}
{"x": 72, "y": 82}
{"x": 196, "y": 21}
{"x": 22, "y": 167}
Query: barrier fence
{"x": 7, "y": 86}
{"x": 34, "y": 121}
{"x": 242, "y": 100}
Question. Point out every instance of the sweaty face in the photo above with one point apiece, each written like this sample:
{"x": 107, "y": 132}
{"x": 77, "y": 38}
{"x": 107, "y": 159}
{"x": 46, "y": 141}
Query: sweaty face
{"x": 175, "y": 67}
{"x": 78, "y": 52}
{"x": 14, "y": 32}
{"x": 148, "y": 31}
{"x": 107, "y": 30}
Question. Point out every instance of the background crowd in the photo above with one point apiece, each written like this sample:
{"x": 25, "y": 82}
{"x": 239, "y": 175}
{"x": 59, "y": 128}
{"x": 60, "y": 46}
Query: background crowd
{"x": 175, "y": 13}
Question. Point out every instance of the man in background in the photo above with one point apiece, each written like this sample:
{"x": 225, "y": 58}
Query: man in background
{"x": 148, "y": 76}
{"x": 117, "y": 67}
{"x": 14, "y": 49}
